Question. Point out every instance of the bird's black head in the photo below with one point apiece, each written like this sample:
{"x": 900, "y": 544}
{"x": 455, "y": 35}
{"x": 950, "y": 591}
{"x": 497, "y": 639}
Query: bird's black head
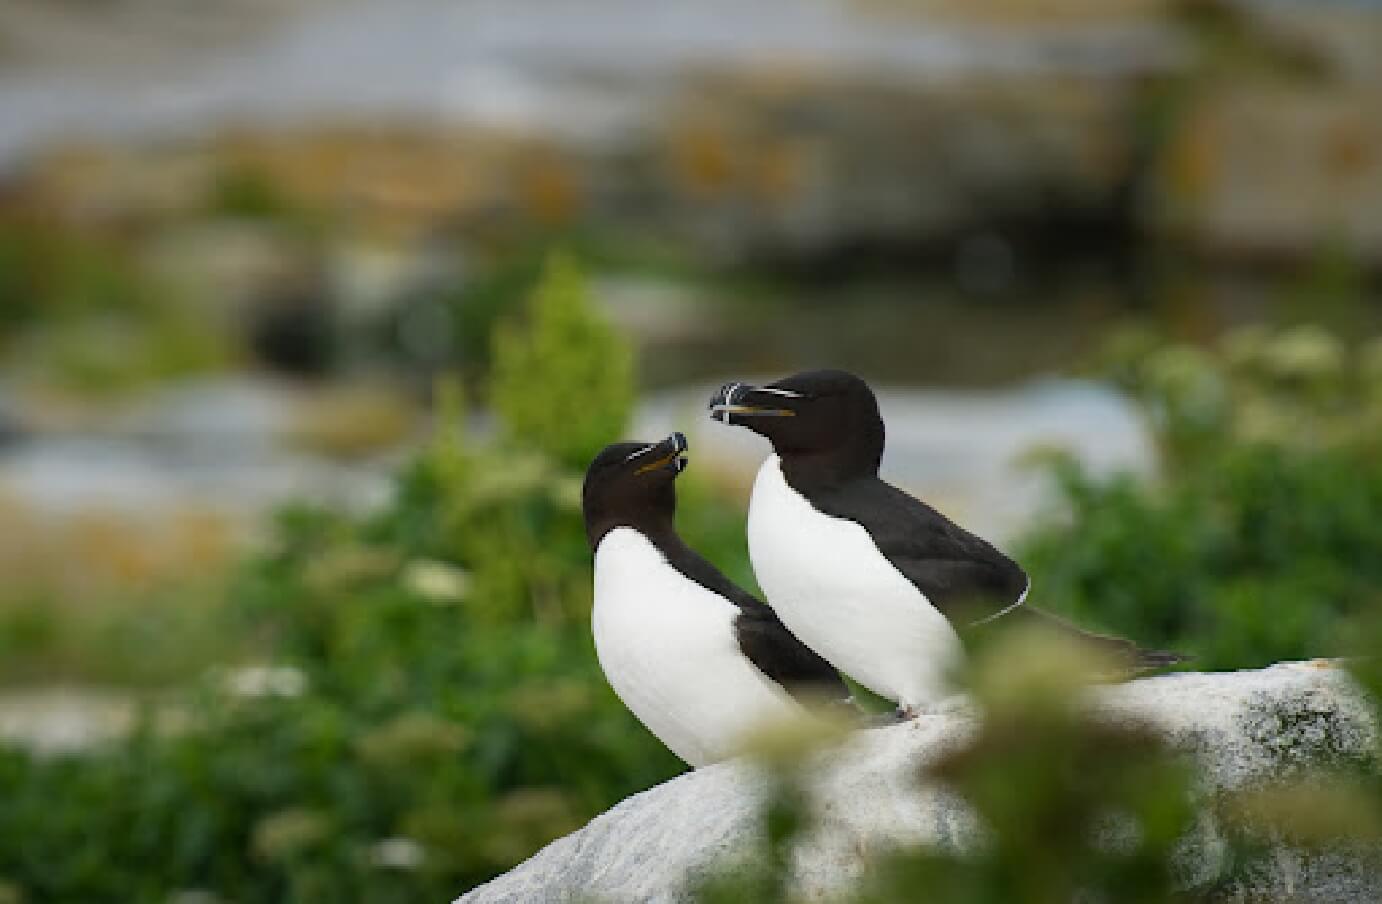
{"x": 631, "y": 485}
{"x": 825, "y": 422}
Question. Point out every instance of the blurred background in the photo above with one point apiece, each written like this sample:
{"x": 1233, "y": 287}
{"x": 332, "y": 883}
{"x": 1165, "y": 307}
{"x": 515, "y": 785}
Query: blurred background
{"x": 311, "y": 315}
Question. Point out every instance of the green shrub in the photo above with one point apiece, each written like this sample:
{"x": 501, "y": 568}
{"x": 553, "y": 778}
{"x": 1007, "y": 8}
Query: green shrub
{"x": 1262, "y": 535}
{"x": 424, "y": 707}
{"x": 1257, "y": 542}
{"x": 1070, "y": 806}
{"x": 563, "y": 384}
{"x": 47, "y": 272}
{"x": 81, "y": 312}
{"x": 1049, "y": 784}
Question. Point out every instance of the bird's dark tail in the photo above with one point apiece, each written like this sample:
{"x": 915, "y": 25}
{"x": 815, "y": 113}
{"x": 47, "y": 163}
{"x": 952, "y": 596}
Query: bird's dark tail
{"x": 1128, "y": 654}
{"x": 1151, "y": 660}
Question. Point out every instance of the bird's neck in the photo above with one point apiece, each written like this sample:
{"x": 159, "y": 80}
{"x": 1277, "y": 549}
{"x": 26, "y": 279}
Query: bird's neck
{"x": 658, "y": 527}
{"x": 855, "y": 455}
{"x": 819, "y": 471}
{"x": 682, "y": 558}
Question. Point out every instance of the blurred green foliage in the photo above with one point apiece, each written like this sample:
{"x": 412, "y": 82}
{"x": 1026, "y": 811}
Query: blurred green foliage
{"x": 1069, "y": 807}
{"x": 45, "y": 639}
{"x": 407, "y": 703}
{"x": 242, "y": 191}
{"x": 80, "y": 312}
{"x": 1257, "y": 542}
{"x": 1072, "y": 807}
{"x": 410, "y": 701}
{"x": 493, "y": 289}
{"x": 563, "y": 383}
{"x": 1097, "y": 811}
{"x": 1261, "y": 536}
{"x": 475, "y": 305}
{"x": 51, "y": 272}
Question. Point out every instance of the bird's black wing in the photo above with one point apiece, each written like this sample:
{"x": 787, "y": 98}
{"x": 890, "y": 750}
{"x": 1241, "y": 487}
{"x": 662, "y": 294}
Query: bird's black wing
{"x": 962, "y": 575}
{"x": 1121, "y": 654}
{"x": 774, "y": 651}
{"x": 777, "y": 653}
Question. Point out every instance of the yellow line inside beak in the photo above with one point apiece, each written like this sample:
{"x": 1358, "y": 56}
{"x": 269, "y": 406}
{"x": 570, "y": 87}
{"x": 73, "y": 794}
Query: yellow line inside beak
{"x": 662, "y": 462}
{"x": 749, "y": 409}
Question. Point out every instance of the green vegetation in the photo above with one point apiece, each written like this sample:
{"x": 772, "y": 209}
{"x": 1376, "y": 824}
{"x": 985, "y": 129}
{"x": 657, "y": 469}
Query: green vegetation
{"x": 1071, "y": 807}
{"x": 1049, "y": 785}
{"x": 47, "y": 272}
{"x": 563, "y": 385}
{"x": 433, "y": 712}
{"x": 407, "y": 703}
{"x": 1261, "y": 537}
{"x": 79, "y": 312}
{"x": 498, "y": 280}
{"x": 1258, "y": 542}
{"x": 241, "y": 191}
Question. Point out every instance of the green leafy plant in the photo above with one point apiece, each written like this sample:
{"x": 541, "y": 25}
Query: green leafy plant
{"x": 405, "y": 703}
{"x": 1068, "y": 806}
{"x": 80, "y": 311}
{"x": 564, "y": 383}
{"x": 1260, "y": 538}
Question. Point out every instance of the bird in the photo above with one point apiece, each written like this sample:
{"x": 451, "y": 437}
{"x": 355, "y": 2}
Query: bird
{"x": 884, "y": 587}
{"x": 700, "y": 661}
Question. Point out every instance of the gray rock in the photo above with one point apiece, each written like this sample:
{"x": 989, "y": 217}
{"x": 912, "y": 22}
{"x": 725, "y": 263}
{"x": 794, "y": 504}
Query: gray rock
{"x": 589, "y": 68}
{"x": 1242, "y": 727}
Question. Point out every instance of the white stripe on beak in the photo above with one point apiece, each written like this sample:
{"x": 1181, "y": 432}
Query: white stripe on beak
{"x": 637, "y": 452}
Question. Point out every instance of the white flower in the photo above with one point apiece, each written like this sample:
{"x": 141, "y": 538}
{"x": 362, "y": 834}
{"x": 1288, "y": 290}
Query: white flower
{"x": 193, "y": 896}
{"x": 436, "y": 582}
{"x": 264, "y": 681}
{"x": 1306, "y": 352}
{"x": 397, "y": 853}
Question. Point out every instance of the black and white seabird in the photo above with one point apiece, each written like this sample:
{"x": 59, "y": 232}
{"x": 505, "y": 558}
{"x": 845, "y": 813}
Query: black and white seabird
{"x": 879, "y": 583}
{"x": 700, "y": 661}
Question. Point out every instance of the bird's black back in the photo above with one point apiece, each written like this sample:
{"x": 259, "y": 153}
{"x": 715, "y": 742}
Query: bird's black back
{"x": 962, "y": 575}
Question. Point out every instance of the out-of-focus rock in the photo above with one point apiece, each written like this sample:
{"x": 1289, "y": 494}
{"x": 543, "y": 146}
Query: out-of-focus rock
{"x": 1243, "y": 728}
{"x": 785, "y": 129}
{"x": 223, "y": 264}
{"x": 1259, "y": 171}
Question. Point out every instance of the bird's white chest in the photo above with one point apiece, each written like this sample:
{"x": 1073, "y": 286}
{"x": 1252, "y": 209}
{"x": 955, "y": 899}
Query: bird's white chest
{"x": 834, "y": 590}
{"x": 668, "y": 648}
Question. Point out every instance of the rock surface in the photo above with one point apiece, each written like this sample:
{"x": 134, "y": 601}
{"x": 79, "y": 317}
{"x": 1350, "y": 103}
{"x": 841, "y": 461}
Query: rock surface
{"x": 1241, "y": 726}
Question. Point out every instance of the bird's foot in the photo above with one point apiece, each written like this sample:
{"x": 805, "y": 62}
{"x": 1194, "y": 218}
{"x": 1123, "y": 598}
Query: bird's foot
{"x": 907, "y": 712}
{"x": 952, "y": 705}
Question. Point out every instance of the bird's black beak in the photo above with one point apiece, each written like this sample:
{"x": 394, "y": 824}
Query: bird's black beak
{"x": 670, "y": 453}
{"x": 734, "y": 402}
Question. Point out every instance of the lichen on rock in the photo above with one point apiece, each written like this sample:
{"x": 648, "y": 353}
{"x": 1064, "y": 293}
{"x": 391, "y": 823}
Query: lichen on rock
{"x": 1242, "y": 729}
